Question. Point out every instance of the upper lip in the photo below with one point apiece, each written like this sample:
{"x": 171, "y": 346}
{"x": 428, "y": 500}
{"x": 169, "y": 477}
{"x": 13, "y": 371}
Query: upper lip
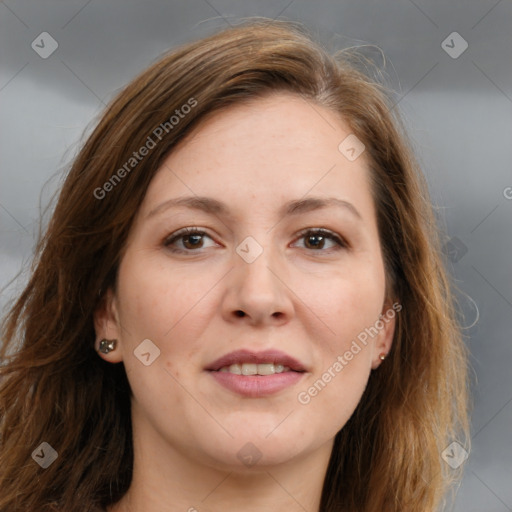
{"x": 248, "y": 356}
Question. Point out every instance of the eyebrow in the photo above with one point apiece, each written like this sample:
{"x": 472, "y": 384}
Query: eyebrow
{"x": 293, "y": 207}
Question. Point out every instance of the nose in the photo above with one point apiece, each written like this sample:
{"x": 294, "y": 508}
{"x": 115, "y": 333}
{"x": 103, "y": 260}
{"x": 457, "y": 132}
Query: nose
{"x": 257, "y": 292}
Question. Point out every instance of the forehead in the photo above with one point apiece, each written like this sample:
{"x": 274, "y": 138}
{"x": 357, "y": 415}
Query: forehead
{"x": 268, "y": 151}
{"x": 283, "y": 121}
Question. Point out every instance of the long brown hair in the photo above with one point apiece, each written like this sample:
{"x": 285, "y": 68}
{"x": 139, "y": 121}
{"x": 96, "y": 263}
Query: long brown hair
{"x": 55, "y": 389}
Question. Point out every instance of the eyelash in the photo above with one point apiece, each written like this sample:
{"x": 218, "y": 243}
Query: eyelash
{"x": 342, "y": 244}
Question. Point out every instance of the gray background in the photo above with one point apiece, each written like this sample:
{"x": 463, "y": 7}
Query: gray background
{"x": 458, "y": 111}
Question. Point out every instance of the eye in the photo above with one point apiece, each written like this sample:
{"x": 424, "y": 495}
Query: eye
{"x": 315, "y": 239}
{"x": 189, "y": 238}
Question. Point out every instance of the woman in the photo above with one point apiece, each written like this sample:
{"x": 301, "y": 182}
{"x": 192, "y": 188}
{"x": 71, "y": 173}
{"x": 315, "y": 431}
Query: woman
{"x": 239, "y": 302}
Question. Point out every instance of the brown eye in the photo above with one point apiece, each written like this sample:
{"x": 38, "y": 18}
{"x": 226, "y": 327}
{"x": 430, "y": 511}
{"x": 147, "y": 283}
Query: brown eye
{"x": 315, "y": 239}
{"x": 186, "y": 240}
{"x": 192, "y": 241}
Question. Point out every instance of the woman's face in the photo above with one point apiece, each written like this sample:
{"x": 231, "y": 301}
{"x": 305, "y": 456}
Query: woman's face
{"x": 248, "y": 277}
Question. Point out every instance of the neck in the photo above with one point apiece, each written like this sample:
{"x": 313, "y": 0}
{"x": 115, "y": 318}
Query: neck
{"x": 169, "y": 481}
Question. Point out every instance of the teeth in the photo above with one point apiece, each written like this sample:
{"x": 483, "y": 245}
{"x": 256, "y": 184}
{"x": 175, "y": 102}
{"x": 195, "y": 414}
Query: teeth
{"x": 249, "y": 369}
{"x": 255, "y": 369}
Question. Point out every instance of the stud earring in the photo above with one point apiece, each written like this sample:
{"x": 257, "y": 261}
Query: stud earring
{"x": 382, "y": 357}
{"x": 107, "y": 346}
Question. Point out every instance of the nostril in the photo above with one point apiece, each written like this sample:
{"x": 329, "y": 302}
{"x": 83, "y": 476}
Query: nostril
{"x": 239, "y": 313}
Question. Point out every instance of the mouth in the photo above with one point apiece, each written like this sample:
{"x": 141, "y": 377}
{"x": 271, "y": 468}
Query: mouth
{"x": 254, "y": 374}
{"x": 246, "y": 362}
{"x": 255, "y": 369}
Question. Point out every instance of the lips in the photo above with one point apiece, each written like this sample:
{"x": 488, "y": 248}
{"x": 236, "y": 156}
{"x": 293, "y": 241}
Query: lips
{"x": 276, "y": 372}
{"x": 275, "y": 357}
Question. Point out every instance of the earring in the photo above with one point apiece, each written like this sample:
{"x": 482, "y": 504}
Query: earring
{"x": 382, "y": 356}
{"x": 107, "y": 346}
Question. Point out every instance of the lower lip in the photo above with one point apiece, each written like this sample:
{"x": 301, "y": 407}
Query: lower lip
{"x": 255, "y": 386}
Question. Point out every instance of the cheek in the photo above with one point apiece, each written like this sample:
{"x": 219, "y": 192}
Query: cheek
{"x": 347, "y": 304}
{"x": 155, "y": 300}
{"x": 350, "y": 307}
{"x": 344, "y": 361}
{"x": 168, "y": 309}
{"x": 155, "y": 305}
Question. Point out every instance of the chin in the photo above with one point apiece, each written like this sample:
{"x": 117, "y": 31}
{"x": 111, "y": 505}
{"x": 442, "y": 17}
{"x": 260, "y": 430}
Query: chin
{"x": 251, "y": 457}
{"x": 251, "y": 449}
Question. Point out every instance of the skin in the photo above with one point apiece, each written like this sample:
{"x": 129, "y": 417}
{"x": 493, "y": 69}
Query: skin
{"x": 308, "y": 300}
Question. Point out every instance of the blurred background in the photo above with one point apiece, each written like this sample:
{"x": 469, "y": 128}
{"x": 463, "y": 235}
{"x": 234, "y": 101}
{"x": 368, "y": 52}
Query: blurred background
{"x": 450, "y": 64}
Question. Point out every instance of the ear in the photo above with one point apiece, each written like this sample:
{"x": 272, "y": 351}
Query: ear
{"x": 107, "y": 326}
{"x": 386, "y": 327}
